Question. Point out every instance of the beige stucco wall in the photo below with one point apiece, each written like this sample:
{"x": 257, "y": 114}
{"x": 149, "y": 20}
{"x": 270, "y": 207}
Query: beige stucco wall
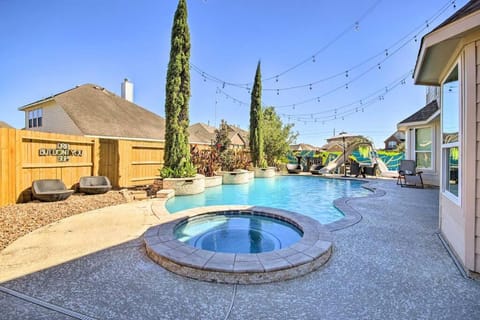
{"x": 55, "y": 119}
{"x": 458, "y": 217}
{"x": 475, "y": 101}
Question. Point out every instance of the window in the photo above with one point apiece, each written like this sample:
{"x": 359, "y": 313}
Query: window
{"x": 35, "y": 118}
{"x": 450, "y": 133}
{"x": 423, "y": 147}
{"x": 392, "y": 144}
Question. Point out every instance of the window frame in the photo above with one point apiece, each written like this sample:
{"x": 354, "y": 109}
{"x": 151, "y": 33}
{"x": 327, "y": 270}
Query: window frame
{"x": 446, "y": 147}
{"x": 35, "y": 118}
{"x": 432, "y": 146}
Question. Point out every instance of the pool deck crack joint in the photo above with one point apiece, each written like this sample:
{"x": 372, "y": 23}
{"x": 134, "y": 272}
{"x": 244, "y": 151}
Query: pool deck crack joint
{"x": 229, "y": 311}
{"x": 45, "y": 304}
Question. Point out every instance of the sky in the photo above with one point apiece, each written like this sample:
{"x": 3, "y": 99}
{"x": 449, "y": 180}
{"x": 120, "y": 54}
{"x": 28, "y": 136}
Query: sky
{"x": 327, "y": 66}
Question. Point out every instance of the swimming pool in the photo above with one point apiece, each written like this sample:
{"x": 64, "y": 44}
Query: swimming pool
{"x": 311, "y": 196}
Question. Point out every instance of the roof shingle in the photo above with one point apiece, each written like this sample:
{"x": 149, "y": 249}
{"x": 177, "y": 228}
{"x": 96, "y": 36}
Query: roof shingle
{"x": 99, "y": 112}
{"x": 423, "y": 114}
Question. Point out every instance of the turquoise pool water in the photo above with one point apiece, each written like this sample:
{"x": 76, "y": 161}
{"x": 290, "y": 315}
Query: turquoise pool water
{"x": 311, "y": 196}
{"x": 237, "y": 233}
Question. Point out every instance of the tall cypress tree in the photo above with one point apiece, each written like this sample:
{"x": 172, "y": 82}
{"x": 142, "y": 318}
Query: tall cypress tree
{"x": 256, "y": 120}
{"x": 177, "y": 161}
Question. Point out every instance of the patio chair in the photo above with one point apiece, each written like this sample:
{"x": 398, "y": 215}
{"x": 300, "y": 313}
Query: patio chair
{"x": 94, "y": 184}
{"x": 408, "y": 176}
{"x": 315, "y": 168}
{"x": 356, "y": 170}
{"x": 370, "y": 170}
{"x": 294, "y": 168}
{"x": 50, "y": 190}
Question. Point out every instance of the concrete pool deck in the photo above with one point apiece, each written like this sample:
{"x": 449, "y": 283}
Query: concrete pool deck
{"x": 390, "y": 265}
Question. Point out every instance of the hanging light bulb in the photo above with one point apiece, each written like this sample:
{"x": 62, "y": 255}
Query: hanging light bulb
{"x": 293, "y": 107}
{"x": 223, "y": 85}
{"x": 276, "y": 78}
{"x": 278, "y": 92}
{"x": 318, "y": 99}
{"x": 346, "y": 86}
{"x": 379, "y": 66}
{"x": 386, "y": 52}
{"x": 310, "y": 86}
{"x": 415, "y": 38}
{"x": 313, "y": 59}
{"x": 357, "y": 26}
{"x": 454, "y": 4}
{"x": 346, "y": 74}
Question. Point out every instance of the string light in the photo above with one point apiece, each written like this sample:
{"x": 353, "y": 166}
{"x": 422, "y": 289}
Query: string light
{"x": 417, "y": 31}
{"x": 347, "y": 109}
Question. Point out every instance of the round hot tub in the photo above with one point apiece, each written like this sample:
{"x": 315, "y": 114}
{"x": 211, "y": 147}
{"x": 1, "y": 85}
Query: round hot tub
{"x": 237, "y": 232}
{"x": 239, "y": 244}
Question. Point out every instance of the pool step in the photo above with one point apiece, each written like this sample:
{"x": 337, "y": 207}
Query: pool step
{"x": 165, "y": 193}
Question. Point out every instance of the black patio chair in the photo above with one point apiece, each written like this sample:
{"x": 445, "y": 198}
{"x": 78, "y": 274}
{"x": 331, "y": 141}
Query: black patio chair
{"x": 294, "y": 168}
{"x": 356, "y": 170}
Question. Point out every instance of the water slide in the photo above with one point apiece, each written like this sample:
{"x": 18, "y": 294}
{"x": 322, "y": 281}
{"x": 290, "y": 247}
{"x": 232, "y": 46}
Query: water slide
{"x": 384, "y": 172}
{"x": 337, "y": 162}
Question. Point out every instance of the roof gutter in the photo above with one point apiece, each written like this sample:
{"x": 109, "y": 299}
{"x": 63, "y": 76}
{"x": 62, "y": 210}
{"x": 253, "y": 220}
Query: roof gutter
{"x": 418, "y": 123}
{"x": 33, "y": 104}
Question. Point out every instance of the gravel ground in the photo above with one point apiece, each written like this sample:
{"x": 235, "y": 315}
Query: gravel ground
{"x": 19, "y": 219}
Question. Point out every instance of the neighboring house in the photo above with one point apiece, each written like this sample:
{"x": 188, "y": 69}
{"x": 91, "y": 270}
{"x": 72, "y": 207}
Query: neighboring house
{"x": 91, "y": 110}
{"x": 339, "y": 142}
{"x": 5, "y": 125}
{"x": 422, "y": 132}
{"x": 202, "y": 134}
{"x": 303, "y": 147}
{"x": 394, "y": 140}
{"x": 238, "y": 137}
{"x": 449, "y": 59}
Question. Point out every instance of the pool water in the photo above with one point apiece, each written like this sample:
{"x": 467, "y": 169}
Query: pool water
{"x": 237, "y": 233}
{"x": 311, "y": 196}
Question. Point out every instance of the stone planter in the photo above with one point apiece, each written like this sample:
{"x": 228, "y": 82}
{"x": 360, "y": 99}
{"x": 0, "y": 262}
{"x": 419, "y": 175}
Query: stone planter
{"x": 236, "y": 177}
{"x": 185, "y": 186}
{"x": 213, "y": 181}
{"x": 265, "y": 172}
{"x": 251, "y": 174}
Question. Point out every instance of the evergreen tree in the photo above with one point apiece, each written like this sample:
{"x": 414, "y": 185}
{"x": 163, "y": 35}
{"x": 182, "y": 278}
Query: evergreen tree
{"x": 256, "y": 121}
{"x": 177, "y": 161}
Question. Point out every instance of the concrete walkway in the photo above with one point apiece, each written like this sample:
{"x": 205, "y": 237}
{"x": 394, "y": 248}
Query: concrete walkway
{"x": 391, "y": 265}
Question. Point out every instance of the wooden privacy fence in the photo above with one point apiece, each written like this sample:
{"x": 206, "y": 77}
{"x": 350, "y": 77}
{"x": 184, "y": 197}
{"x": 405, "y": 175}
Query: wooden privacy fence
{"x": 26, "y": 156}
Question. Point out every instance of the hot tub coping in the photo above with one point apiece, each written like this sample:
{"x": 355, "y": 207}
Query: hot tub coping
{"x": 309, "y": 253}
